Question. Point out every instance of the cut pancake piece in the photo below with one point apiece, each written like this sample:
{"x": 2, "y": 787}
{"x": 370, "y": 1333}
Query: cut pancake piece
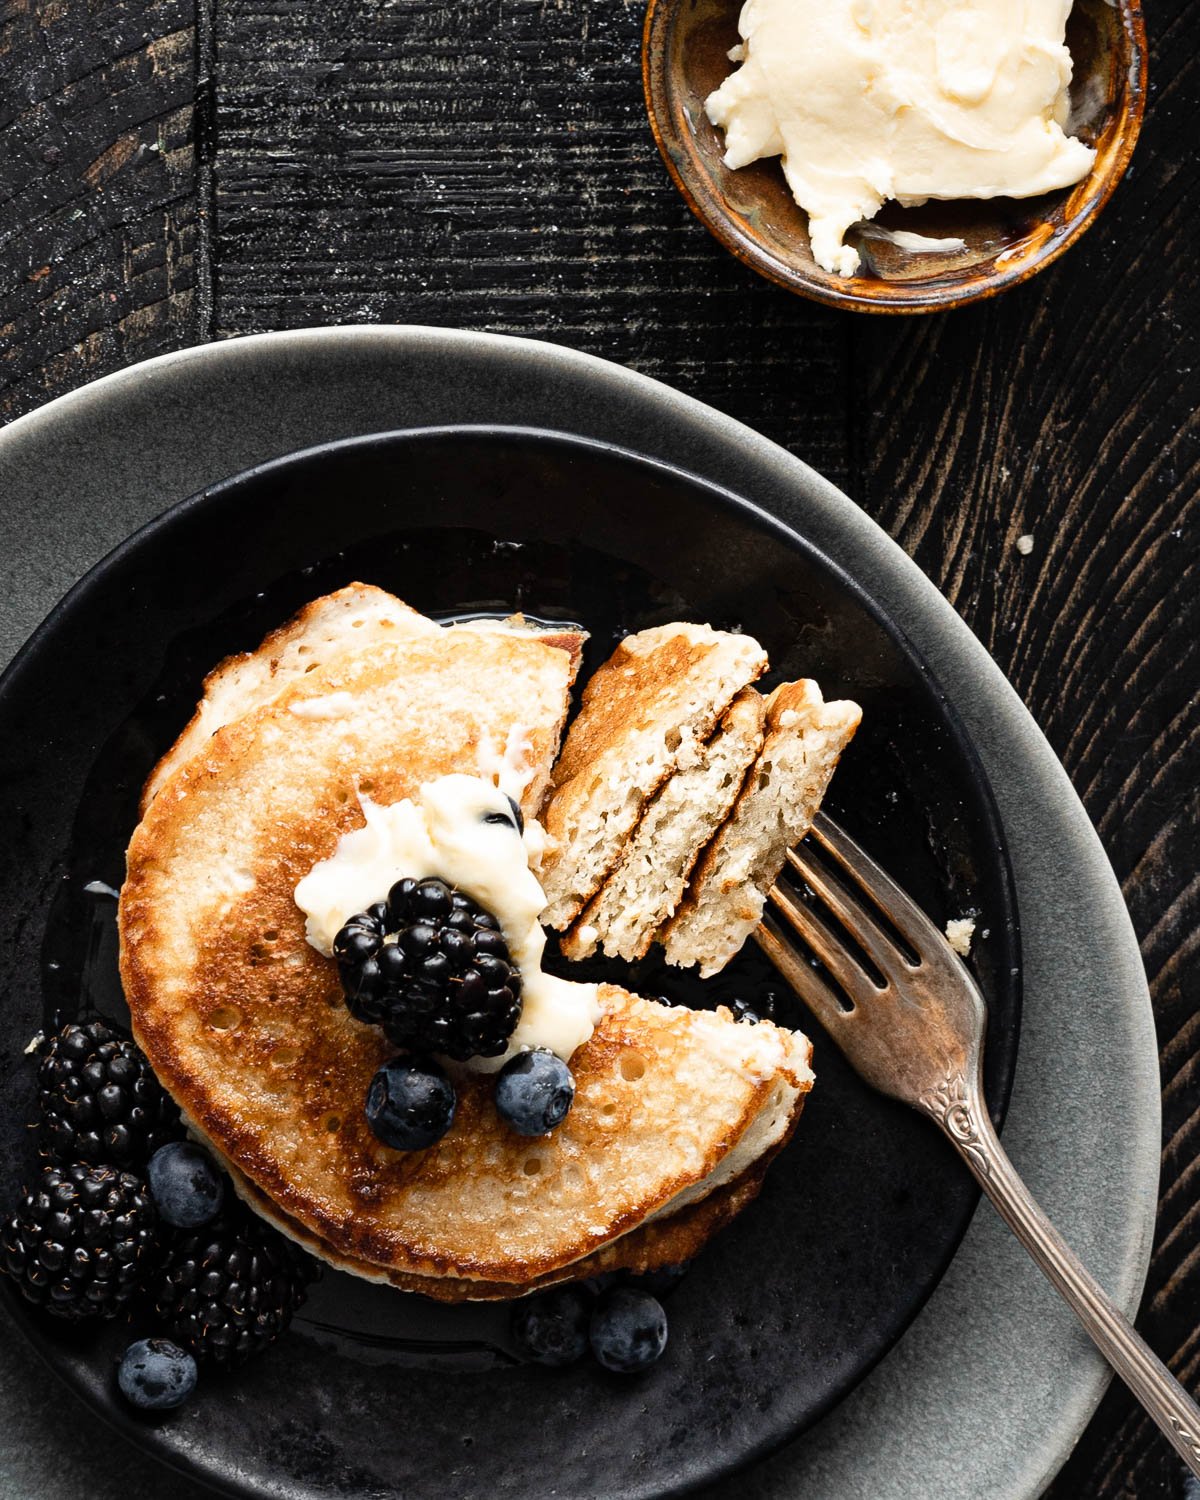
{"x": 355, "y": 618}
{"x": 648, "y": 881}
{"x": 805, "y": 738}
{"x": 647, "y": 711}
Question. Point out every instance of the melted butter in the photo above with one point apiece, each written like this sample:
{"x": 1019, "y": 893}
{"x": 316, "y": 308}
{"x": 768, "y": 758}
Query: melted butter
{"x": 445, "y": 833}
{"x": 866, "y": 100}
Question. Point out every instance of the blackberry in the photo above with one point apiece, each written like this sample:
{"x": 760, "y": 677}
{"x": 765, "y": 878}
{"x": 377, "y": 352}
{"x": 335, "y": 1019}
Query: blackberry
{"x": 99, "y": 1100}
{"x": 229, "y": 1290}
{"x": 83, "y": 1240}
{"x": 514, "y": 818}
{"x": 432, "y": 968}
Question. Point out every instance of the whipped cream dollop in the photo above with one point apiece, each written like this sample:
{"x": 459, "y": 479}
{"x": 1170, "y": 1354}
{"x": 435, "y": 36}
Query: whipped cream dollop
{"x": 867, "y": 100}
{"x": 446, "y": 832}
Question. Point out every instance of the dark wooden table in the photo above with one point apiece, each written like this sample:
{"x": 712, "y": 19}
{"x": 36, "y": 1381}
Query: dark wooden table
{"x": 172, "y": 173}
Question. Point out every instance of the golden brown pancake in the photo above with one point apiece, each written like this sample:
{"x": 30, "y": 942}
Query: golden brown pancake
{"x": 668, "y": 1240}
{"x": 244, "y": 1023}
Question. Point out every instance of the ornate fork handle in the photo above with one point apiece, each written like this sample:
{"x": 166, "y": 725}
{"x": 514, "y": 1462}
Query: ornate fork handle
{"x": 957, "y": 1107}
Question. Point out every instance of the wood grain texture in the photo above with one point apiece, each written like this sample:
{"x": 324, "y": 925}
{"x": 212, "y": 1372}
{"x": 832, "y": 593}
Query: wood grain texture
{"x": 96, "y": 182}
{"x": 169, "y": 174}
{"x": 490, "y": 166}
{"x": 1066, "y": 411}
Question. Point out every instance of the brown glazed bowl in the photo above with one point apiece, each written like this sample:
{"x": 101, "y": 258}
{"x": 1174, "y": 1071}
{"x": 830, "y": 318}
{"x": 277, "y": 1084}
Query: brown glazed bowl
{"x": 751, "y": 211}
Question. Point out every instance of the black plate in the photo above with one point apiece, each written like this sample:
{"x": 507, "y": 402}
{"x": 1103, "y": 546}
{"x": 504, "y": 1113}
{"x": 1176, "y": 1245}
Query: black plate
{"x": 373, "y": 1392}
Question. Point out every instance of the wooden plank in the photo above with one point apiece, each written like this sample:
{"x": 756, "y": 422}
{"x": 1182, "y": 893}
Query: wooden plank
{"x": 490, "y": 166}
{"x": 1066, "y": 411}
{"x": 96, "y": 177}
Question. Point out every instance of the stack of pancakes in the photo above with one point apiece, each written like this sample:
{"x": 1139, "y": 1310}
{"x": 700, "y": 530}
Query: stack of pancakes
{"x": 679, "y": 791}
{"x": 676, "y": 1112}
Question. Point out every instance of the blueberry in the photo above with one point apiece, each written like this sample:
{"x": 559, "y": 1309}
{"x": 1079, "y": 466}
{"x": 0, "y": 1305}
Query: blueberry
{"x": 410, "y": 1103}
{"x": 514, "y": 819}
{"x": 185, "y": 1184}
{"x": 156, "y": 1375}
{"x": 552, "y": 1327}
{"x": 534, "y": 1091}
{"x": 628, "y": 1330}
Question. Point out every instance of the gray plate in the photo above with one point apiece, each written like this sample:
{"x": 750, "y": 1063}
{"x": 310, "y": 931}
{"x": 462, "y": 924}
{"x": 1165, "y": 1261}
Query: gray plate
{"x": 991, "y": 1386}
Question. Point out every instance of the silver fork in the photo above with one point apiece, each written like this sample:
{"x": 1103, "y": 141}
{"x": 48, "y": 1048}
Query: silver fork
{"x": 919, "y": 1038}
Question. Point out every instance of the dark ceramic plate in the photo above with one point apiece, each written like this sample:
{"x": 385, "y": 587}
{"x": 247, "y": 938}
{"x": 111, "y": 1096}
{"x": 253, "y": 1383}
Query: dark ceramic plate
{"x": 373, "y": 1392}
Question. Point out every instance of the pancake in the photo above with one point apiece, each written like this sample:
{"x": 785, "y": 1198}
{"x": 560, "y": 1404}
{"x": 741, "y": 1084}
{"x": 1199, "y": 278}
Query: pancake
{"x": 649, "y": 879}
{"x": 675, "y": 1233}
{"x": 805, "y": 737}
{"x": 647, "y": 712}
{"x": 667, "y": 1240}
{"x": 244, "y": 1023}
{"x": 355, "y": 618}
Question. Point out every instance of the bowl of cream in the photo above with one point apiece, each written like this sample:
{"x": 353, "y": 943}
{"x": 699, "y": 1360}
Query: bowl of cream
{"x": 895, "y": 155}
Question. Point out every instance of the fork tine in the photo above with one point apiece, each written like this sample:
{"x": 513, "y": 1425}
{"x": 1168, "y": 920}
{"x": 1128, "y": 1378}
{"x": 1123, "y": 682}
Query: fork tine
{"x": 859, "y": 919}
{"x": 902, "y": 911}
{"x": 824, "y": 942}
{"x": 806, "y": 982}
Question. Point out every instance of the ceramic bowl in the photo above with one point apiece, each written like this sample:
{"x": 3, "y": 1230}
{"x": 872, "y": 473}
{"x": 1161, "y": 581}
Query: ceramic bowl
{"x": 1006, "y": 240}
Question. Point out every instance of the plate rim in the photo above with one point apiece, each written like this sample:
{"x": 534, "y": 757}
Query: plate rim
{"x": 230, "y": 374}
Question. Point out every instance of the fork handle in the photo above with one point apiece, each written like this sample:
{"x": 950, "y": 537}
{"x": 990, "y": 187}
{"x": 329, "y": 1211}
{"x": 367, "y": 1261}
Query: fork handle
{"x": 964, "y": 1119}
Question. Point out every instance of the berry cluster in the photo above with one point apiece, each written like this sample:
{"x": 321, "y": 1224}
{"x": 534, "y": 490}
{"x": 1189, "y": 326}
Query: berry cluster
{"x": 229, "y": 1290}
{"x": 619, "y": 1317}
{"x": 125, "y": 1209}
{"x": 431, "y": 967}
{"x": 82, "y": 1240}
{"x": 99, "y": 1100}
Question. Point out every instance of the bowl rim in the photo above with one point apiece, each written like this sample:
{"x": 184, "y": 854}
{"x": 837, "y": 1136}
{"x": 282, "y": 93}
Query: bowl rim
{"x": 53, "y": 1344}
{"x": 898, "y": 298}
